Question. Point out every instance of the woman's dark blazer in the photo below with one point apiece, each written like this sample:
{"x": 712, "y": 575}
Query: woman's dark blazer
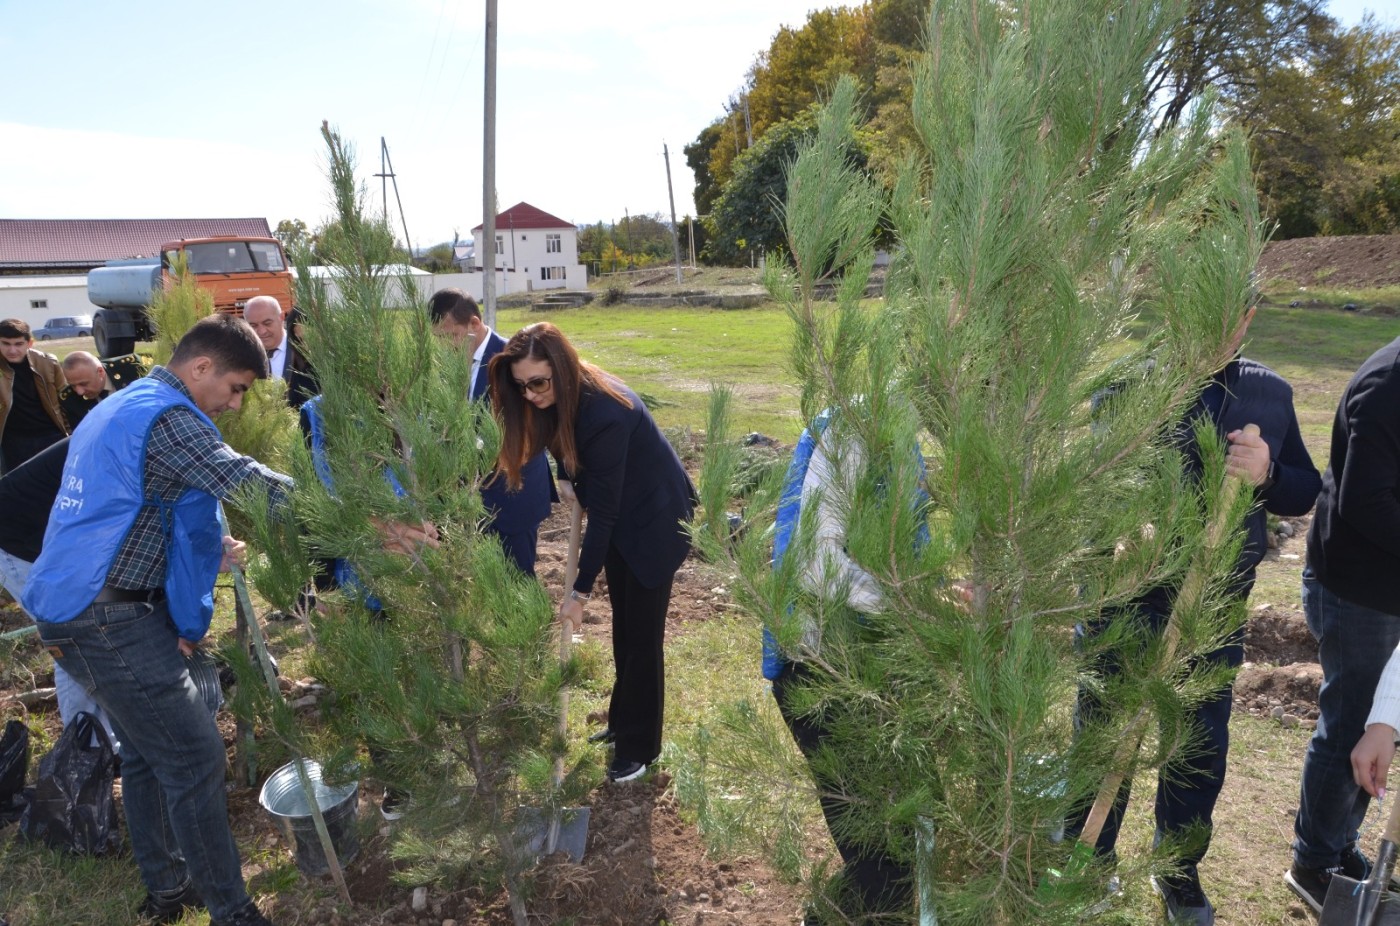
{"x": 634, "y": 488}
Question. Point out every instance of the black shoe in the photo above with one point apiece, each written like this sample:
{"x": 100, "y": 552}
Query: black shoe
{"x": 247, "y": 915}
{"x": 1355, "y": 865}
{"x": 393, "y": 804}
{"x": 623, "y": 770}
{"x": 1186, "y": 904}
{"x": 1310, "y": 884}
{"x": 604, "y": 735}
{"x": 169, "y": 909}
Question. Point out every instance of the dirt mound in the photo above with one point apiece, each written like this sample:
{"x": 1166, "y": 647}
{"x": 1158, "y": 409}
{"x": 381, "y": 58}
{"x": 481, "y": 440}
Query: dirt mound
{"x": 1280, "y": 691}
{"x": 1280, "y": 677}
{"x": 1360, "y": 261}
{"x": 1278, "y": 637}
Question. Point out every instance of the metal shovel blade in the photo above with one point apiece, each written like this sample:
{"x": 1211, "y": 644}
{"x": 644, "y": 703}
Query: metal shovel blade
{"x": 571, "y": 836}
{"x": 1359, "y": 903}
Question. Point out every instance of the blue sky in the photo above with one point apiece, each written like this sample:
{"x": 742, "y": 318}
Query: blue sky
{"x": 124, "y": 110}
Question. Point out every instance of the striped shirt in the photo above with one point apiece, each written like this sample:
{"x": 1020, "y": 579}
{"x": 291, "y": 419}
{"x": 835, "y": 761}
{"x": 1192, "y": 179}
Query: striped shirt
{"x": 182, "y": 453}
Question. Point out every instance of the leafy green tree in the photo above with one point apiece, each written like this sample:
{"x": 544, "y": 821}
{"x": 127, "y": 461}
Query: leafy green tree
{"x": 1226, "y": 46}
{"x": 697, "y": 156}
{"x": 746, "y": 219}
{"x": 450, "y": 673}
{"x": 440, "y": 258}
{"x": 1043, "y": 216}
{"x": 1326, "y": 133}
{"x": 293, "y": 234}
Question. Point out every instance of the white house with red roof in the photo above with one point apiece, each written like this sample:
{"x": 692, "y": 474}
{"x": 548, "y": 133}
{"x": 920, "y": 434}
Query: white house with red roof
{"x": 534, "y": 250}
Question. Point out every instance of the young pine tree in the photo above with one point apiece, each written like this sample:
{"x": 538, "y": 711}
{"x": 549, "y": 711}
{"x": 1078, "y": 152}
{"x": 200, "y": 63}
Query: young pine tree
{"x": 441, "y": 661}
{"x": 1040, "y": 220}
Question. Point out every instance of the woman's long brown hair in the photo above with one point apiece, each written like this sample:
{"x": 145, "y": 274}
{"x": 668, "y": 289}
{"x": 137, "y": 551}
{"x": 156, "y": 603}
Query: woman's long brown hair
{"x": 525, "y": 429}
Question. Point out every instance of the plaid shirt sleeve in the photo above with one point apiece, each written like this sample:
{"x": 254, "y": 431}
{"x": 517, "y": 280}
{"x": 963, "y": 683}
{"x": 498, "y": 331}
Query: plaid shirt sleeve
{"x": 185, "y": 452}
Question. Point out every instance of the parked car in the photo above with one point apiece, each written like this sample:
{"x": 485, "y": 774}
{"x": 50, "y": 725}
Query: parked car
{"x": 65, "y": 326}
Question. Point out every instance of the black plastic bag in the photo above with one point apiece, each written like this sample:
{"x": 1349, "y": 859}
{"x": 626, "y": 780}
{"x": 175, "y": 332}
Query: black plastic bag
{"x": 73, "y": 807}
{"x": 14, "y": 766}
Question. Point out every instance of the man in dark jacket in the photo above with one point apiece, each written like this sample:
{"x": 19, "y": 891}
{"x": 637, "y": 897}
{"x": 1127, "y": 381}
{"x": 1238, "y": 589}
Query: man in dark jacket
{"x": 91, "y": 380}
{"x": 1276, "y": 463}
{"x": 30, "y": 379}
{"x": 515, "y": 516}
{"x": 1351, "y": 596}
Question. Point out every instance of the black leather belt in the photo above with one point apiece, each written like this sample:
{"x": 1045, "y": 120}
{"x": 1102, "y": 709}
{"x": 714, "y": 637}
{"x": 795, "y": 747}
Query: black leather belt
{"x": 110, "y": 594}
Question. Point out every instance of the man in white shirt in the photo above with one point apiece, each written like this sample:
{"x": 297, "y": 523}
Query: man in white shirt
{"x": 269, "y": 322}
{"x": 264, "y": 315}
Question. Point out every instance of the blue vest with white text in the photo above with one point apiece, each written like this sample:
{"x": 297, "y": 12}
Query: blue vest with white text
{"x": 345, "y": 575}
{"x": 789, "y": 515}
{"x": 101, "y": 494}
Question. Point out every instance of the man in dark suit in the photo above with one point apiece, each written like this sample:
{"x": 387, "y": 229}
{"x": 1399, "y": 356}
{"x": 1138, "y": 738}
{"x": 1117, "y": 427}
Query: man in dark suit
{"x": 515, "y": 516}
{"x": 270, "y": 323}
{"x": 91, "y": 380}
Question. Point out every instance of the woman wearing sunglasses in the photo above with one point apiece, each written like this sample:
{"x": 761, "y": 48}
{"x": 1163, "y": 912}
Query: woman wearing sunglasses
{"x": 613, "y": 458}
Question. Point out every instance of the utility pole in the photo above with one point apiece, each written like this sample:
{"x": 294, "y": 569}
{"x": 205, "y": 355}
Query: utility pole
{"x": 627, "y": 227}
{"x": 748, "y": 122}
{"x": 488, "y": 175}
{"x": 675, "y": 229}
{"x": 387, "y": 173}
{"x": 383, "y": 176}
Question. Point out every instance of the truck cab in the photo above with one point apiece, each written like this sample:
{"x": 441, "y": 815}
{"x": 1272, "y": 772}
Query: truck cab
{"x": 232, "y": 269}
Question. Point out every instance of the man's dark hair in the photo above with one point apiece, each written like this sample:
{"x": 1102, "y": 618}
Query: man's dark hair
{"x": 15, "y": 328}
{"x": 454, "y": 302}
{"x": 228, "y": 341}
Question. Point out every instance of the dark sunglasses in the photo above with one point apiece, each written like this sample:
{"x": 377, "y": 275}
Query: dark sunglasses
{"x": 539, "y": 385}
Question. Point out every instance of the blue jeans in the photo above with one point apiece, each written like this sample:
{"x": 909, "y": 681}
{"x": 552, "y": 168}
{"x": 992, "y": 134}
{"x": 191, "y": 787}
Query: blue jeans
{"x": 126, "y": 655}
{"x": 72, "y": 699}
{"x": 1353, "y": 644}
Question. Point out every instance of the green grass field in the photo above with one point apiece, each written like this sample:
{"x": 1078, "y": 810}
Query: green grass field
{"x": 673, "y": 355}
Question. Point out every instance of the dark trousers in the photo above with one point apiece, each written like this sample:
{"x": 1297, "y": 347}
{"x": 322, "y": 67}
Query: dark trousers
{"x": 20, "y": 447}
{"x": 519, "y": 546}
{"x": 638, "y": 631}
{"x": 126, "y": 656}
{"x": 1188, "y": 787}
{"x": 877, "y": 882}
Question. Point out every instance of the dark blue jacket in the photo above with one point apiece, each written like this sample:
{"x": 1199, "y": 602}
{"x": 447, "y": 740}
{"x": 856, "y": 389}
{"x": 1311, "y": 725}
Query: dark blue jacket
{"x": 634, "y": 488}
{"x": 514, "y": 512}
{"x": 1246, "y": 392}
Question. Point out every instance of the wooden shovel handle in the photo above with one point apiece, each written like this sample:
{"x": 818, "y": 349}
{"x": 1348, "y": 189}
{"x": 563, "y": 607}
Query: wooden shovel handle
{"x": 566, "y": 634}
{"x": 571, "y": 570}
{"x": 1391, "y": 833}
{"x": 1191, "y": 588}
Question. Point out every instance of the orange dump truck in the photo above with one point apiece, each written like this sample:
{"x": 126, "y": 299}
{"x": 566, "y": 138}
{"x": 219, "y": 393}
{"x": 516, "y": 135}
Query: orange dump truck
{"x": 232, "y": 269}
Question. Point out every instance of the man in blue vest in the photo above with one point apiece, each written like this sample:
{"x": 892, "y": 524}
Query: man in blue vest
{"x": 826, "y": 465}
{"x": 123, "y": 591}
{"x": 515, "y": 516}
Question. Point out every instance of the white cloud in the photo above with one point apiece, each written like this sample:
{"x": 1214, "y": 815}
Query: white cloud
{"x": 72, "y": 173}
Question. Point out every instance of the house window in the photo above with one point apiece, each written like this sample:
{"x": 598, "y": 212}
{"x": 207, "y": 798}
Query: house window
{"x": 38, "y": 303}
{"x": 524, "y": 237}
{"x": 553, "y": 273}
{"x": 552, "y": 244}
{"x": 500, "y": 244}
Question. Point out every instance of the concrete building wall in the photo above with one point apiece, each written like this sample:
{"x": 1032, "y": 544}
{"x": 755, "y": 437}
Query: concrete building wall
{"x": 36, "y": 299}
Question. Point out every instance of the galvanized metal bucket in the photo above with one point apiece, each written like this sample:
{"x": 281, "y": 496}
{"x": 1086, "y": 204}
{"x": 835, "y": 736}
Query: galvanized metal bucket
{"x": 285, "y": 801}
